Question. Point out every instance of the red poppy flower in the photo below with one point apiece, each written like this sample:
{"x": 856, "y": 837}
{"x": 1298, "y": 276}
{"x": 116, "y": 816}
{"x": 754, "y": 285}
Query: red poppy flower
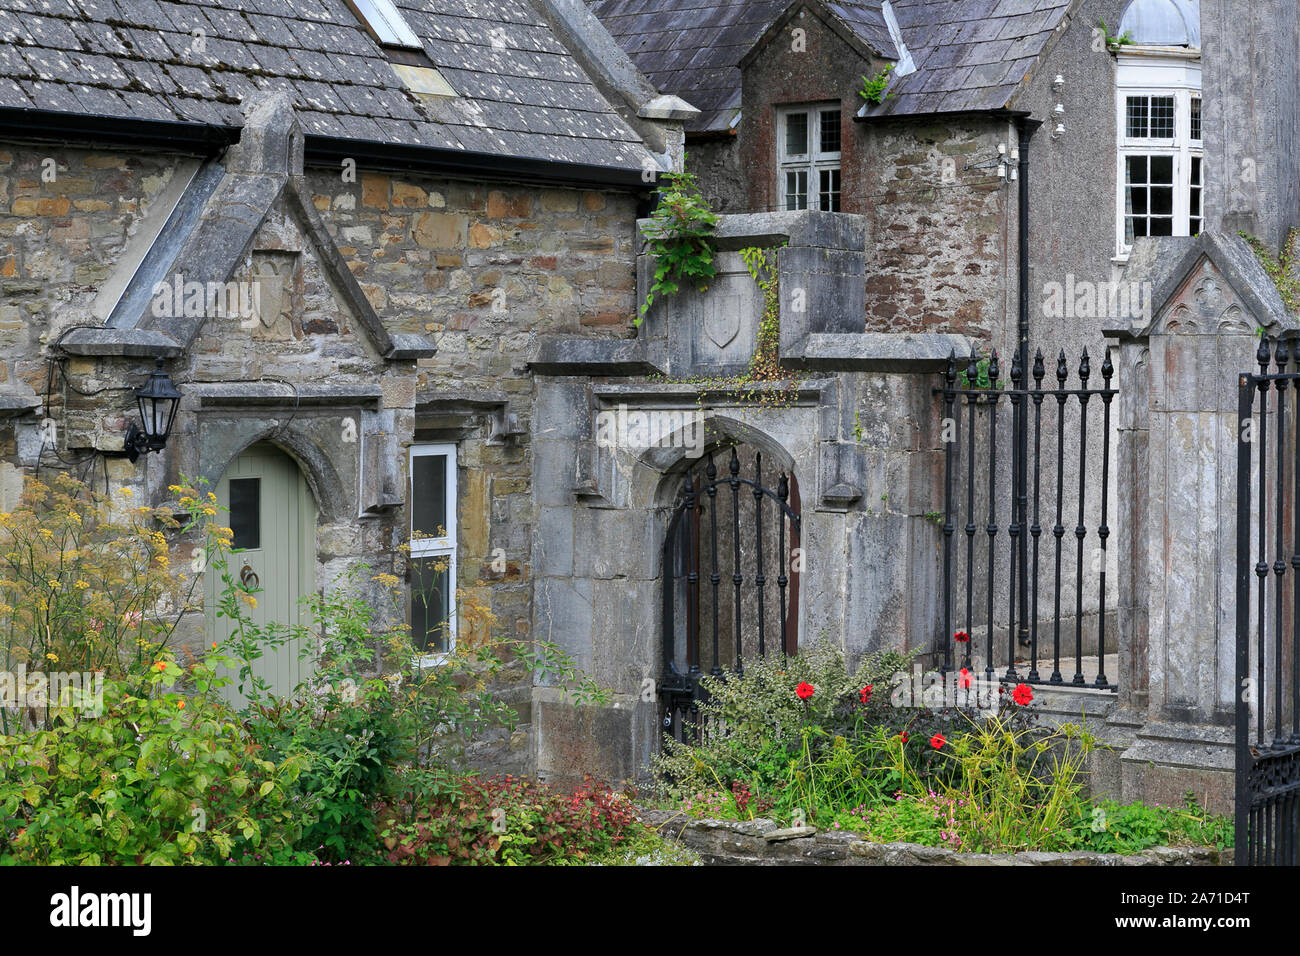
{"x": 937, "y": 741}
{"x": 961, "y": 637}
{"x": 1022, "y": 695}
{"x": 904, "y": 736}
{"x": 964, "y": 678}
{"x": 805, "y": 690}
{"x": 865, "y": 696}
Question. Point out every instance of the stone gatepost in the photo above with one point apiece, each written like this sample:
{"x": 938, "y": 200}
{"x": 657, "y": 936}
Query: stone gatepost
{"x": 1207, "y": 298}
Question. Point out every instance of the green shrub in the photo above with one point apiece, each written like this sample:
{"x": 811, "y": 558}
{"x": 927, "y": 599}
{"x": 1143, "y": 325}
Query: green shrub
{"x": 1109, "y": 827}
{"x": 512, "y": 821}
{"x": 762, "y": 735}
{"x": 159, "y": 777}
{"x": 680, "y": 238}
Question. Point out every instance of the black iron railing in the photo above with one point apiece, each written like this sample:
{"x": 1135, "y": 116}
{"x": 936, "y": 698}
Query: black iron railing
{"x": 971, "y": 472}
{"x": 690, "y": 555}
{"x": 1268, "y": 664}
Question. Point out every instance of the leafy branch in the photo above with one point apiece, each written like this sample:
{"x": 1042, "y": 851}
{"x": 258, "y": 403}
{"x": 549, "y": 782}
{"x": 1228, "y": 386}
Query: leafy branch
{"x": 1112, "y": 41}
{"x": 680, "y": 235}
{"x": 873, "y": 90}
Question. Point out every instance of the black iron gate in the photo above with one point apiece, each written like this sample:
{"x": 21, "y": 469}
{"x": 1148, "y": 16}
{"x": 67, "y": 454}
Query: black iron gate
{"x": 983, "y": 455}
{"x": 763, "y": 543}
{"x": 1268, "y": 653}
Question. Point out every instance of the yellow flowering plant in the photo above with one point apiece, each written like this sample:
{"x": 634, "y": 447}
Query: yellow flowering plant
{"x": 86, "y": 579}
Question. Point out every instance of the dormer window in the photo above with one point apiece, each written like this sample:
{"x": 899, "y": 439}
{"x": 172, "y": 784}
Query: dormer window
{"x": 808, "y": 160}
{"x": 385, "y": 23}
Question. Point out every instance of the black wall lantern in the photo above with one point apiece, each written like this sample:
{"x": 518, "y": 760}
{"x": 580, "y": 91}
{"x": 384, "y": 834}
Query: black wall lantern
{"x": 158, "y": 401}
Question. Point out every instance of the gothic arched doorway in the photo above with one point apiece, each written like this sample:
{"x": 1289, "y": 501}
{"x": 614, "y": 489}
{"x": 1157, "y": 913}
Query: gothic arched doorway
{"x": 730, "y": 575}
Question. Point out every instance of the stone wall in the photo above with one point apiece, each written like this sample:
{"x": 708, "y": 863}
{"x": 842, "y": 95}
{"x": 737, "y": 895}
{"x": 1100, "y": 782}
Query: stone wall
{"x": 762, "y": 843}
{"x": 482, "y": 269}
{"x": 60, "y": 239}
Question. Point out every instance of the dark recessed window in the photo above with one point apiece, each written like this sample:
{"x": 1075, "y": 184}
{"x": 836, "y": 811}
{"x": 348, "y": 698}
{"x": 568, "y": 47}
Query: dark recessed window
{"x": 246, "y": 512}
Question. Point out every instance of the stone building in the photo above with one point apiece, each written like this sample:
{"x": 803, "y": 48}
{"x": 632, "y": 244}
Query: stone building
{"x": 432, "y": 218}
{"x": 343, "y": 236}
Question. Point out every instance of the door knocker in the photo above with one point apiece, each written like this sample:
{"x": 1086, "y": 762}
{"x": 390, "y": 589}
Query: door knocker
{"x": 248, "y": 578}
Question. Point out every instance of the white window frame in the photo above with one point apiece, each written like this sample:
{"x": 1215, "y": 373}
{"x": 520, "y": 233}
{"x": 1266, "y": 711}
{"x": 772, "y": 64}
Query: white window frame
{"x": 1159, "y": 73}
{"x": 444, "y": 546}
{"x": 385, "y": 23}
{"x": 814, "y": 160}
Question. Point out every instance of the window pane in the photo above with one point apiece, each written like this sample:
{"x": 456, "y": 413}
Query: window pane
{"x": 830, "y": 132}
{"x": 1162, "y": 227}
{"x": 1162, "y": 201}
{"x": 1135, "y": 169}
{"x": 429, "y": 495}
{"x": 796, "y": 189}
{"x": 1137, "y": 201}
{"x": 796, "y": 134}
{"x": 431, "y": 603}
{"x": 1196, "y": 117}
{"x": 389, "y": 25}
{"x": 828, "y": 189}
{"x": 1162, "y": 117}
{"x": 1162, "y": 169}
{"x": 1136, "y": 116}
{"x": 1196, "y": 170}
{"x": 246, "y": 512}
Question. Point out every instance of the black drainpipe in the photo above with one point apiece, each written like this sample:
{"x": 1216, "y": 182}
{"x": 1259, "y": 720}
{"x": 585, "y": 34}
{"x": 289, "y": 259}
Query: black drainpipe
{"x": 1024, "y": 132}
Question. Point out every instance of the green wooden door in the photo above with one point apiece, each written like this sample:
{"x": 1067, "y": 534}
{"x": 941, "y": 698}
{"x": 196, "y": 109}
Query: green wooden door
{"x": 273, "y": 516}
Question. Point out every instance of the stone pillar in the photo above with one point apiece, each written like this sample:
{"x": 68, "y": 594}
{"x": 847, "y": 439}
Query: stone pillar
{"x": 1177, "y": 512}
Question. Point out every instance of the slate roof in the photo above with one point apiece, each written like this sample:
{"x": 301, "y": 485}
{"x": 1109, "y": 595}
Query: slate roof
{"x": 691, "y": 48}
{"x": 969, "y": 54}
{"x": 521, "y": 92}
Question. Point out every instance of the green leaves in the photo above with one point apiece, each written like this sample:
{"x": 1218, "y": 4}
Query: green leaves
{"x": 873, "y": 90}
{"x": 122, "y": 788}
{"x": 680, "y": 237}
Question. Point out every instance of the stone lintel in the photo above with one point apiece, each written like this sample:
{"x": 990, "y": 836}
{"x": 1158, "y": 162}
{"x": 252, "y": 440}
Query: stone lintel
{"x": 573, "y": 356}
{"x": 877, "y": 351}
{"x": 809, "y": 392}
{"x": 133, "y": 342}
{"x": 262, "y": 394}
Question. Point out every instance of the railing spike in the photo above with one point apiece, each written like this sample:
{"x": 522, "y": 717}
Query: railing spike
{"x": 1085, "y": 368}
{"x": 1062, "y": 369}
{"x": 1262, "y": 354}
{"x": 1107, "y": 367}
{"x": 994, "y": 372}
{"x": 1039, "y": 370}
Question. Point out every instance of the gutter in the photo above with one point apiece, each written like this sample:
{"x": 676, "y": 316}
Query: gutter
{"x": 78, "y": 129}
{"x": 202, "y": 139}
{"x": 1000, "y": 113}
{"x": 391, "y": 157}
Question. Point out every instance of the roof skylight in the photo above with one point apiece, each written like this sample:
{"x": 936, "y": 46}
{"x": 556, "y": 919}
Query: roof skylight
{"x": 385, "y": 23}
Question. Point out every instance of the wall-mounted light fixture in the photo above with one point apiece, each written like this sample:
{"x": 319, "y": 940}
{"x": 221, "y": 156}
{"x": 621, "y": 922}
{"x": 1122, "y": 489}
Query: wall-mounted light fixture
{"x": 158, "y": 401}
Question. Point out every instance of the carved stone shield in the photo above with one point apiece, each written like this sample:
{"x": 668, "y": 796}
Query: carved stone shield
{"x": 272, "y": 274}
{"x": 722, "y": 318}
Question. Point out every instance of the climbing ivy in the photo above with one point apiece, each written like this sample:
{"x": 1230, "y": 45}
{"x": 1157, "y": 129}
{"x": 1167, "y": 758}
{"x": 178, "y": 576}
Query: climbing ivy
{"x": 1280, "y": 268}
{"x": 680, "y": 234}
{"x": 764, "y": 381}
